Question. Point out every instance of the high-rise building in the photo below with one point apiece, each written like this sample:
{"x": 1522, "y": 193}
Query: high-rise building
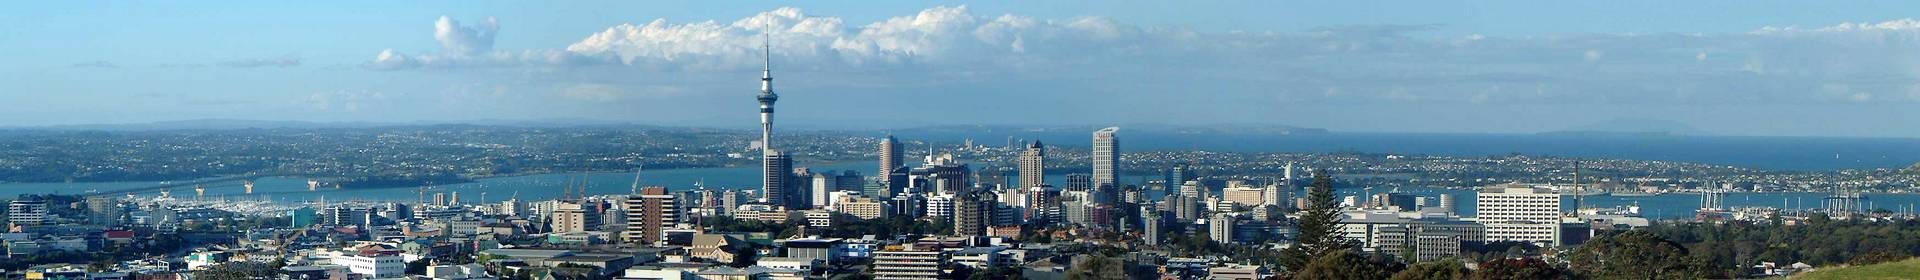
{"x": 1033, "y": 163}
{"x": 891, "y": 157}
{"x": 729, "y": 200}
{"x": 1106, "y": 156}
{"x": 776, "y": 182}
{"x": 105, "y": 210}
{"x": 1220, "y": 227}
{"x": 27, "y": 211}
{"x": 575, "y": 216}
{"x": 1516, "y": 212}
{"x": 649, "y": 214}
{"x": 1150, "y": 220}
{"x": 971, "y": 214}
{"x": 822, "y": 185}
{"x": 942, "y": 174}
{"x": 1276, "y": 194}
{"x": 1181, "y": 174}
{"x": 1079, "y": 182}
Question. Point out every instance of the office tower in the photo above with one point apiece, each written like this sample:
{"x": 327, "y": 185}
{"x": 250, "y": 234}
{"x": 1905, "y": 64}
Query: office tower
{"x": 649, "y": 214}
{"x": 971, "y": 213}
{"x": 440, "y": 199}
{"x": 1515, "y": 212}
{"x": 454, "y": 198}
{"x": 27, "y": 211}
{"x": 943, "y": 174}
{"x": 1150, "y": 220}
{"x": 1106, "y": 156}
{"x": 1193, "y": 189}
{"x": 1220, "y": 228}
{"x": 1033, "y": 166}
{"x": 891, "y": 157}
{"x": 1273, "y": 194}
{"x": 729, "y": 200}
{"x": 105, "y": 210}
{"x": 1447, "y": 203}
{"x": 575, "y": 216}
{"x": 940, "y": 206}
{"x": 776, "y": 180}
{"x": 822, "y": 185}
{"x": 1079, "y": 182}
{"x": 1181, "y": 174}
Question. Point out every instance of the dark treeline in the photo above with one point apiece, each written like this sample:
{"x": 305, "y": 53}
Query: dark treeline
{"x": 1731, "y": 248}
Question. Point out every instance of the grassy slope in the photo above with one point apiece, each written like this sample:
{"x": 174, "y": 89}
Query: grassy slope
{"x": 1907, "y": 269}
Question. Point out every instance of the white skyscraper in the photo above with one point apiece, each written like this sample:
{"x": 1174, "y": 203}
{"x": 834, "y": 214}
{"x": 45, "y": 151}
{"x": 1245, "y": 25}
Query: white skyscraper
{"x": 1106, "y": 155}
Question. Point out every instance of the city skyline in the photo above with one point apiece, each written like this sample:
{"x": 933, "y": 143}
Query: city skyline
{"x": 1758, "y": 70}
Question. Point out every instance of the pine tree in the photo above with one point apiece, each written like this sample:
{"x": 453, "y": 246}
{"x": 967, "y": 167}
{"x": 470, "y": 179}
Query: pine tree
{"x": 1319, "y": 225}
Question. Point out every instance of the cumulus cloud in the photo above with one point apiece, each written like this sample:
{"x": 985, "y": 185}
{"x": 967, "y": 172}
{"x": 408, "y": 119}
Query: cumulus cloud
{"x": 1346, "y": 64}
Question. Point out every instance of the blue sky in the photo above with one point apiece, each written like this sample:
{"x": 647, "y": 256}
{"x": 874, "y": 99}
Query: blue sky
{"x": 1721, "y": 67}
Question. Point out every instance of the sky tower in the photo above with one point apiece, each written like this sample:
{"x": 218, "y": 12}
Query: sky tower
{"x": 766, "y": 98}
{"x": 776, "y": 167}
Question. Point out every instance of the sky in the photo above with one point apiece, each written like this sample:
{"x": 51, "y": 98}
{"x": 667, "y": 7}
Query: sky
{"x": 1763, "y": 68}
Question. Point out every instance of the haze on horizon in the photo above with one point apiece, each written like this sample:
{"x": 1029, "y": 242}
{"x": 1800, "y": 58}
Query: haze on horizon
{"x": 1747, "y": 68}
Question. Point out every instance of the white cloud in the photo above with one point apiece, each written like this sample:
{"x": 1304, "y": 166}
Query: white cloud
{"x": 1772, "y": 65}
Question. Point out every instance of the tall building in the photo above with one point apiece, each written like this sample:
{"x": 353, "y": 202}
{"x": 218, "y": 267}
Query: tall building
{"x": 1220, "y": 227}
{"x": 1106, "y": 156}
{"x": 822, "y": 185}
{"x": 891, "y": 157}
{"x": 777, "y": 181}
{"x": 1516, "y": 212}
{"x": 27, "y": 211}
{"x": 729, "y": 200}
{"x": 649, "y": 214}
{"x": 575, "y": 216}
{"x": 971, "y": 214}
{"x": 1033, "y": 163}
{"x": 105, "y": 210}
{"x": 1079, "y": 182}
{"x": 1150, "y": 220}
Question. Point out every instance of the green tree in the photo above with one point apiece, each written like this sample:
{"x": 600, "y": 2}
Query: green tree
{"x": 235, "y": 271}
{"x": 1633, "y": 255}
{"x": 1347, "y": 264}
{"x": 1519, "y": 269}
{"x": 418, "y": 267}
{"x": 1319, "y": 225}
{"x": 1440, "y": 269}
{"x": 1097, "y": 267}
